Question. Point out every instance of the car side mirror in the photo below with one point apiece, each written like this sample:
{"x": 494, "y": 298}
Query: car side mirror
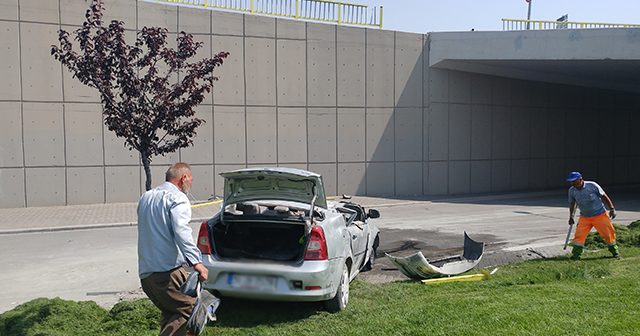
{"x": 373, "y": 213}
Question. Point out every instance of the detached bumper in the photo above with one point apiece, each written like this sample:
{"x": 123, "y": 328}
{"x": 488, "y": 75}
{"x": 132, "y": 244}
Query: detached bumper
{"x": 416, "y": 266}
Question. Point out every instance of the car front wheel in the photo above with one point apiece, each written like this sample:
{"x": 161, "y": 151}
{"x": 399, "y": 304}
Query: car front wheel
{"x": 339, "y": 302}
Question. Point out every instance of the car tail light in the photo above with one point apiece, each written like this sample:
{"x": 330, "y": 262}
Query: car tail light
{"x": 203, "y": 239}
{"x": 313, "y": 288}
{"x": 317, "y": 248}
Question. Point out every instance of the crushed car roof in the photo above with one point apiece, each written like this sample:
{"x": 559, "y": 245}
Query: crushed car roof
{"x": 278, "y": 183}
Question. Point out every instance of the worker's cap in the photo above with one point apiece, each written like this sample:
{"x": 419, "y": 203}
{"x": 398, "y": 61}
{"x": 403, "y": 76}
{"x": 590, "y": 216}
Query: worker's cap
{"x": 573, "y": 176}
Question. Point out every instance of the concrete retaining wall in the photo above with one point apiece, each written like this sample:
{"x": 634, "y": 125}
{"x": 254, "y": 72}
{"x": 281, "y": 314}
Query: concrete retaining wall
{"x": 360, "y": 106}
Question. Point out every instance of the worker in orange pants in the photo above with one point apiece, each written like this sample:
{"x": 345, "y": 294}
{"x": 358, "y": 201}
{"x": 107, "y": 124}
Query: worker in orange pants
{"x": 591, "y": 199}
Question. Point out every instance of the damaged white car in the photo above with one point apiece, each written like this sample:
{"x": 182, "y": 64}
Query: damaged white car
{"x": 277, "y": 237}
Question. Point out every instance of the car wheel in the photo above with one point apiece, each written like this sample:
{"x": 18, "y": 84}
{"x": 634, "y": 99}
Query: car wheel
{"x": 371, "y": 261}
{"x": 339, "y": 302}
{"x": 372, "y": 257}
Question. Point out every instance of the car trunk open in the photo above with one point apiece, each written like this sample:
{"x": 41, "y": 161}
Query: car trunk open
{"x": 259, "y": 237}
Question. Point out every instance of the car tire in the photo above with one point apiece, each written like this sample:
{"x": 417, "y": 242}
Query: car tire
{"x": 339, "y": 302}
{"x": 371, "y": 261}
{"x": 372, "y": 257}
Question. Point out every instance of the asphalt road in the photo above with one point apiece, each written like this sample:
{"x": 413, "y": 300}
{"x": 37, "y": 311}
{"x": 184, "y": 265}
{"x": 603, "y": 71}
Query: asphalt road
{"x": 73, "y": 265}
{"x": 101, "y": 264}
{"x": 514, "y": 227}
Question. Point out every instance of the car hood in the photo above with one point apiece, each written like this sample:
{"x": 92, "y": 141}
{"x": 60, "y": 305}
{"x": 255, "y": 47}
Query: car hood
{"x": 278, "y": 183}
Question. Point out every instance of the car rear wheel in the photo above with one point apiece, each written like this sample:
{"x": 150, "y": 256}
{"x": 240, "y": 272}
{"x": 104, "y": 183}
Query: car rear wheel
{"x": 339, "y": 302}
{"x": 371, "y": 261}
{"x": 372, "y": 257}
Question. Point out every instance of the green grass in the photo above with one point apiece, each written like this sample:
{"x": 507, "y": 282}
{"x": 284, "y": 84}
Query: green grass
{"x": 598, "y": 295}
{"x": 61, "y": 317}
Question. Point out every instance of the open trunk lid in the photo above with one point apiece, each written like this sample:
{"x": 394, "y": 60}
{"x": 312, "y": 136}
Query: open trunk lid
{"x": 276, "y": 183}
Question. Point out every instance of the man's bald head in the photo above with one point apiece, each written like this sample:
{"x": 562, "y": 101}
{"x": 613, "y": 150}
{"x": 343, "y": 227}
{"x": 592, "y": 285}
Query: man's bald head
{"x": 180, "y": 175}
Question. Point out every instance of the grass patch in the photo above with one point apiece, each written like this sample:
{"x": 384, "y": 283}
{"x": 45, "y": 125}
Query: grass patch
{"x": 595, "y": 296}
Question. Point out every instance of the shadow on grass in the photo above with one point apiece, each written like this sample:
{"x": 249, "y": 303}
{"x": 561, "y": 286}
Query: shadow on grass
{"x": 243, "y": 313}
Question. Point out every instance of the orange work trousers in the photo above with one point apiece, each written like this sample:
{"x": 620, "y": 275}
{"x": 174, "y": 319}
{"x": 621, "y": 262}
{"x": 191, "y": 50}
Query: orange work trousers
{"x": 603, "y": 225}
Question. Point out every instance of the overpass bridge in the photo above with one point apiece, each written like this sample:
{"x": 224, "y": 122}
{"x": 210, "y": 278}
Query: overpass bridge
{"x": 606, "y": 58}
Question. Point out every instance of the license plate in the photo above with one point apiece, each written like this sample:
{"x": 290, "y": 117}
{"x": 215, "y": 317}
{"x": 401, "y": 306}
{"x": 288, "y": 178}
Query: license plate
{"x": 252, "y": 282}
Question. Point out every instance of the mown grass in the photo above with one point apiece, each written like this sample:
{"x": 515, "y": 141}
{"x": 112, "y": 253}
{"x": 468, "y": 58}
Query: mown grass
{"x": 598, "y": 295}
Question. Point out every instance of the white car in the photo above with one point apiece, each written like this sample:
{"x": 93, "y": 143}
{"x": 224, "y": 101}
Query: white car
{"x": 277, "y": 237}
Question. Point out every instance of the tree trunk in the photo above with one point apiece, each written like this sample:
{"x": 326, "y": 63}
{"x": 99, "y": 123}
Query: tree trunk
{"x": 147, "y": 169}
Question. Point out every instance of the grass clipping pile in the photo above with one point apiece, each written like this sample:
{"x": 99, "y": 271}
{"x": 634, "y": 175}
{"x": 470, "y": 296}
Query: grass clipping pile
{"x": 62, "y": 317}
{"x": 626, "y": 236}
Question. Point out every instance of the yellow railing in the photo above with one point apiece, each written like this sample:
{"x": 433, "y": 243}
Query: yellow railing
{"x": 317, "y": 10}
{"x": 509, "y": 24}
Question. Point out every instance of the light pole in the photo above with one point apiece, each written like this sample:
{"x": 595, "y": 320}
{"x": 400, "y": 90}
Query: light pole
{"x": 528, "y": 14}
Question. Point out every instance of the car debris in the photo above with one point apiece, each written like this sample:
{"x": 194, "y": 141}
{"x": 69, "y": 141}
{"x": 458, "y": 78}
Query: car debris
{"x": 485, "y": 275}
{"x": 416, "y": 266}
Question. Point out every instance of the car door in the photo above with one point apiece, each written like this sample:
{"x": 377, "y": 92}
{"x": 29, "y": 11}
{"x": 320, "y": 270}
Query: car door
{"x": 358, "y": 236}
{"x": 358, "y": 242}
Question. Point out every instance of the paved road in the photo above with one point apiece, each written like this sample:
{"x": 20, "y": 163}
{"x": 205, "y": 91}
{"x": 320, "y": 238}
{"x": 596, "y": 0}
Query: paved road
{"x": 75, "y": 265}
{"x": 514, "y": 227}
{"x": 90, "y": 259}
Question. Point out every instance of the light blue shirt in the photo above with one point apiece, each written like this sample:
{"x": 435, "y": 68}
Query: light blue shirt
{"x": 164, "y": 235}
{"x": 588, "y": 199}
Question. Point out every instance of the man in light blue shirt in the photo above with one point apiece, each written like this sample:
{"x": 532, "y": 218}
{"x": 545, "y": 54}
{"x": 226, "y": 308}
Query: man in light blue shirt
{"x": 165, "y": 244}
{"x": 591, "y": 200}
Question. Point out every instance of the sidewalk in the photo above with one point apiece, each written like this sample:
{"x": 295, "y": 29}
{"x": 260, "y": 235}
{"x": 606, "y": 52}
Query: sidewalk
{"x": 77, "y": 217}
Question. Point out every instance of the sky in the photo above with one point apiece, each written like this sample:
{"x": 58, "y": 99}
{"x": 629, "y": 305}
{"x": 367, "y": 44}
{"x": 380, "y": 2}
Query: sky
{"x": 423, "y": 16}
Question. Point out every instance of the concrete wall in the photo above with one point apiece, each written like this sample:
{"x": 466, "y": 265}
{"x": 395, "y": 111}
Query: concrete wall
{"x": 360, "y": 106}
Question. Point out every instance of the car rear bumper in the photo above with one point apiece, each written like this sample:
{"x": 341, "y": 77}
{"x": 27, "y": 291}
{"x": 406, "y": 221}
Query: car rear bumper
{"x": 292, "y": 282}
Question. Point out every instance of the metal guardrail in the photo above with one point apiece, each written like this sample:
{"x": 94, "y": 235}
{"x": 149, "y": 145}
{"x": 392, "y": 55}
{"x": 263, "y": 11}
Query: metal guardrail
{"x": 509, "y": 24}
{"x": 317, "y": 10}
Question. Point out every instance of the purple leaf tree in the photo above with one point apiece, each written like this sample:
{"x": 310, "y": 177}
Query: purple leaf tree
{"x": 148, "y": 90}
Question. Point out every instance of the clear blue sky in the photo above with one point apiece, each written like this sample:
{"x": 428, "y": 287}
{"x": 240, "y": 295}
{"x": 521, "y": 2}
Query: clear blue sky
{"x": 423, "y": 16}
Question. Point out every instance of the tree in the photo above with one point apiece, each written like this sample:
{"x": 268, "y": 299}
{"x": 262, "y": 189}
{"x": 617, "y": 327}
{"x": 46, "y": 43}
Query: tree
{"x": 148, "y": 90}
